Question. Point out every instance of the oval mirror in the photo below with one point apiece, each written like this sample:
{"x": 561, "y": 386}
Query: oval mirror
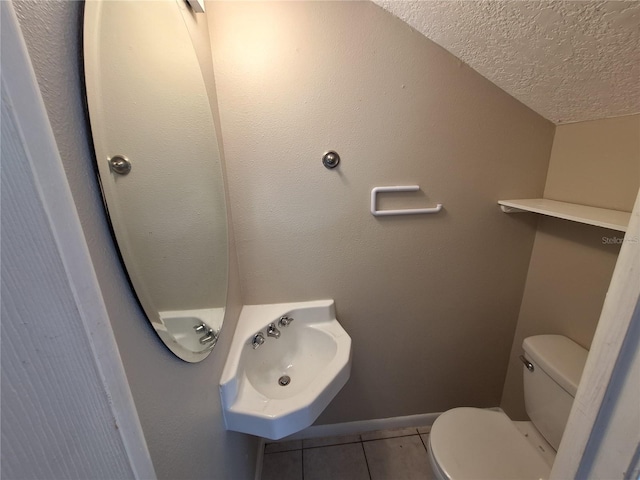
{"x": 159, "y": 166}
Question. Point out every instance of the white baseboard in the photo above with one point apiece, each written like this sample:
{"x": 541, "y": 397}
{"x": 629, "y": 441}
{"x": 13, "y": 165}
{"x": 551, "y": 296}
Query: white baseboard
{"x": 260, "y": 459}
{"x": 350, "y": 428}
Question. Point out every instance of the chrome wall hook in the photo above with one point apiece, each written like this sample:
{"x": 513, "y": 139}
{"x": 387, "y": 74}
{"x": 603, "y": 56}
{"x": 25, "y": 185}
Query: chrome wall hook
{"x": 330, "y": 159}
{"x": 119, "y": 164}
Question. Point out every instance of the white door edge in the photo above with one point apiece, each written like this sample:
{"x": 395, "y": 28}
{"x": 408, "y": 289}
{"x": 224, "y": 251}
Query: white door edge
{"x": 20, "y": 83}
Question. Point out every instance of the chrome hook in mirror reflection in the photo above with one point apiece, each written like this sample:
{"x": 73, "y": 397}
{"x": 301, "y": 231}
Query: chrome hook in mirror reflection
{"x": 119, "y": 164}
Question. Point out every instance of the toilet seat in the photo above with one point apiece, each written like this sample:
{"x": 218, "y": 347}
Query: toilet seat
{"x": 472, "y": 443}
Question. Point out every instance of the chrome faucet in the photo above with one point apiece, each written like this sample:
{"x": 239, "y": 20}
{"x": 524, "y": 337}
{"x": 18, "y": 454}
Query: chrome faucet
{"x": 209, "y": 334}
{"x": 285, "y": 321}
{"x": 210, "y": 337}
{"x": 258, "y": 339}
{"x": 272, "y": 331}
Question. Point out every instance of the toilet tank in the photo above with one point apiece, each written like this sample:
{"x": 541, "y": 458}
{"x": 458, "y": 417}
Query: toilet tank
{"x": 549, "y": 389}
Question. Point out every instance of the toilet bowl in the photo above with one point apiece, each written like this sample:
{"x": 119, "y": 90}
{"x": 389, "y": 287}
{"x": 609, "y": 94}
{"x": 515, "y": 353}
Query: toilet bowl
{"x": 474, "y": 443}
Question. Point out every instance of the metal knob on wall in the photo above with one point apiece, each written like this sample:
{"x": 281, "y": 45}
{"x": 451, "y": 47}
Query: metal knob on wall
{"x": 119, "y": 164}
{"x": 331, "y": 159}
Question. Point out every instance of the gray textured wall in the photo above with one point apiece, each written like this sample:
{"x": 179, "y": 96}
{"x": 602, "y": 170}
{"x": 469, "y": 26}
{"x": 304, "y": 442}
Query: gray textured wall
{"x": 426, "y": 298}
{"x": 178, "y": 403}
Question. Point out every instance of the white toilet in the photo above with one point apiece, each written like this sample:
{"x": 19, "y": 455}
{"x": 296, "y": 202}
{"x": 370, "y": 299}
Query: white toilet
{"x": 474, "y": 443}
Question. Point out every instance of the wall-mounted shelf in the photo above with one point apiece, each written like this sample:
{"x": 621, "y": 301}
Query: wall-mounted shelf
{"x": 600, "y": 217}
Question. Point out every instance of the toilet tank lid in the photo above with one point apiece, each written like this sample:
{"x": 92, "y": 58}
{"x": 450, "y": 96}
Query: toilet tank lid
{"x": 561, "y": 358}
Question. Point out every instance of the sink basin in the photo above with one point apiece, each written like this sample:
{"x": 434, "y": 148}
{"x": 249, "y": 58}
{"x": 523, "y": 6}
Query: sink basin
{"x": 282, "y": 386}
{"x": 180, "y": 325}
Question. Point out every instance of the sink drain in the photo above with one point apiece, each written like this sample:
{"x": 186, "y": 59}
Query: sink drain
{"x": 284, "y": 380}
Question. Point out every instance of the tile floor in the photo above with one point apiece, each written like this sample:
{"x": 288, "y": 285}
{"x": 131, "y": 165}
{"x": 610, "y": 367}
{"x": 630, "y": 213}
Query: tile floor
{"x": 399, "y": 454}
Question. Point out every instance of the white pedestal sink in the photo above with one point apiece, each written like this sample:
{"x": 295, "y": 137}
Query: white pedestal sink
{"x": 311, "y": 357}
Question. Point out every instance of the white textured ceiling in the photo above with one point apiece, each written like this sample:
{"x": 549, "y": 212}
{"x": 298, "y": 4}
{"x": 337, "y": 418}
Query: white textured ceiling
{"x": 569, "y": 61}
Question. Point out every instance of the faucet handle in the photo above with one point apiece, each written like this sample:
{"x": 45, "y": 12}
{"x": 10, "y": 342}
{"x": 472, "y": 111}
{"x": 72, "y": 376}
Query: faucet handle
{"x": 285, "y": 320}
{"x": 211, "y": 336}
{"x": 202, "y": 328}
{"x": 258, "y": 339}
{"x": 272, "y": 331}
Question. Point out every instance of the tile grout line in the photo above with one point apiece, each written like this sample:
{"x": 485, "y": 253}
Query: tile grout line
{"x": 282, "y": 451}
{"x": 364, "y": 452}
{"x": 331, "y": 445}
{"x": 389, "y": 438}
{"x": 302, "y": 461}
{"x": 425, "y": 447}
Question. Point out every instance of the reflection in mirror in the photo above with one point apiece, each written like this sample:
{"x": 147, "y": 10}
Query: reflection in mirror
{"x": 159, "y": 166}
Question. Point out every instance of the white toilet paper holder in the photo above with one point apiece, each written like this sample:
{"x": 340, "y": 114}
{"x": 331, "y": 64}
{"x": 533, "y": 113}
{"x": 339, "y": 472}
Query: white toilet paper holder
{"x": 411, "y": 211}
